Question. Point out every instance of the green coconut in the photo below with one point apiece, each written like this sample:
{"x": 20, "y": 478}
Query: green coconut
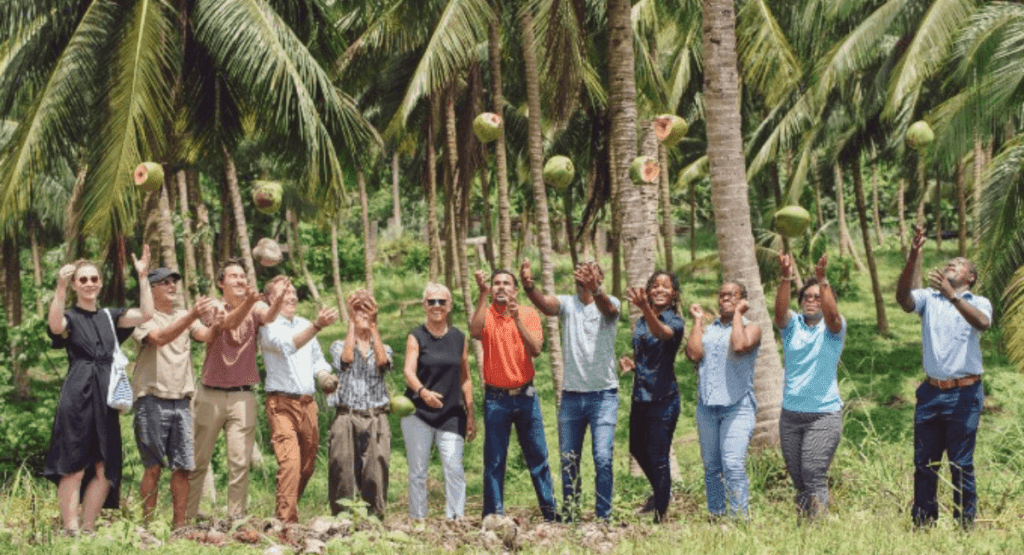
{"x": 919, "y": 135}
{"x": 792, "y": 221}
{"x": 487, "y": 127}
{"x": 558, "y": 172}
{"x": 401, "y": 406}
{"x": 670, "y": 129}
{"x": 149, "y": 176}
{"x": 644, "y": 170}
{"x": 266, "y": 195}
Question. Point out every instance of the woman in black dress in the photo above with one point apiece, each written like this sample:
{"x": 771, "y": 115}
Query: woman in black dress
{"x": 84, "y": 459}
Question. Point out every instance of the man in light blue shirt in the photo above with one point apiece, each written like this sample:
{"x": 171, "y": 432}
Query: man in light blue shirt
{"x": 949, "y": 401}
{"x": 294, "y": 362}
{"x": 590, "y": 384}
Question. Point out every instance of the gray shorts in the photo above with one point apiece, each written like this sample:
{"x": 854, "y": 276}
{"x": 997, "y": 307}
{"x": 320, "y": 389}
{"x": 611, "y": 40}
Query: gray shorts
{"x": 163, "y": 432}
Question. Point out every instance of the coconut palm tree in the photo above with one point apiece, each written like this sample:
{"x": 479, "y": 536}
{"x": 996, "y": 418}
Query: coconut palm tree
{"x": 729, "y": 197}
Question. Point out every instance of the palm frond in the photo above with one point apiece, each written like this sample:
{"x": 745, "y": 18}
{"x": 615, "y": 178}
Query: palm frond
{"x": 927, "y": 51}
{"x": 46, "y": 132}
{"x": 463, "y": 24}
{"x": 1002, "y": 215}
{"x": 138, "y": 108}
{"x": 857, "y": 49}
{"x": 16, "y": 56}
{"x": 559, "y": 23}
{"x": 1013, "y": 318}
{"x": 766, "y": 58}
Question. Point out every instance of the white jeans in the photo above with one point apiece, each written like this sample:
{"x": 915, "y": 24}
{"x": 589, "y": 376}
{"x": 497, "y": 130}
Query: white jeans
{"x": 419, "y": 437}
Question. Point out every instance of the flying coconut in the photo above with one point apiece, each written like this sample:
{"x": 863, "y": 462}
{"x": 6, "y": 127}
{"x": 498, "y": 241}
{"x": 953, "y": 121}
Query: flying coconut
{"x": 487, "y": 127}
{"x": 401, "y": 406}
{"x": 149, "y": 176}
{"x": 266, "y": 195}
{"x": 919, "y": 135}
{"x": 791, "y": 221}
{"x": 558, "y": 172}
{"x": 644, "y": 170}
{"x": 268, "y": 252}
{"x": 670, "y": 129}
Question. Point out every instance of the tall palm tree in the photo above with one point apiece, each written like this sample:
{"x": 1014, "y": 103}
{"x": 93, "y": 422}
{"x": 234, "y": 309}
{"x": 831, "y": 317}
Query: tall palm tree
{"x": 731, "y": 207}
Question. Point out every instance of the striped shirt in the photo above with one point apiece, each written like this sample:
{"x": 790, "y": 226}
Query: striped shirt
{"x": 360, "y": 383}
{"x": 725, "y": 376}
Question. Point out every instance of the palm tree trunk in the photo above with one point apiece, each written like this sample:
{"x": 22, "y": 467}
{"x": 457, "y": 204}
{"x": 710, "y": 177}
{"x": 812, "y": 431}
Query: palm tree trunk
{"x": 500, "y": 157}
{"x": 938, "y": 214}
{"x": 874, "y": 202}
{"x": 396, "y": 199}
{"x": 297, "y": 256}
{"x": 845, "y": 242}
{"x": 540, "y": 197}
{"x": 189, "y": 275}
{"x": 639, "y": 202}
{"x": 876, "y": 287}
{"x": 979, "y": 168}
{"x": 901, "y": 230}
{"x": 922, "y": 188}
{"x": 203, "y": 229}
{"x": 241, "y": 229}
{"x": 168, "y": 253}
{"x": 488, "y": 217}
{"x": 665, "y": 197}
{"x": 12, "y": 306}
{"x": 433, "y": 237}
{"x": 336, "y": 271}
{"x": 73, "y": 217}
{"x": 961, "y": 208}
{"x": 37, "y": 266}
{"x": 451, "y": 276}
{"x": 368, "y": 251}
{"x": 693, "y": 220}
{"x": 816, "y": 184}
{"x": 225, "y": 242}
{"x": 731, "y": 207}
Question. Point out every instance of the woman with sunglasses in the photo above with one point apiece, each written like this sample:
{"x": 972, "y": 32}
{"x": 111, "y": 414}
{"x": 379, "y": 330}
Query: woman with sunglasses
{"x": 437, "y": 376}
{"x": 811, "y": 423}
{"x": 725, "y": 352}
{"x": 655, "y": 408}
{"x": 84, "y": 458}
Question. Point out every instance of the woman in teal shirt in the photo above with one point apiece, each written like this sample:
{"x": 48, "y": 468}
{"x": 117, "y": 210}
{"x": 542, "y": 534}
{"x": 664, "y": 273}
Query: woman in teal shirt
{"x": 811, "y": 423}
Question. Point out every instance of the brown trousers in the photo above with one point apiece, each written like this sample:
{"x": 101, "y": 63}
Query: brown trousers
{"x": 360, "y": 453}
{"x": 295, "y": 437}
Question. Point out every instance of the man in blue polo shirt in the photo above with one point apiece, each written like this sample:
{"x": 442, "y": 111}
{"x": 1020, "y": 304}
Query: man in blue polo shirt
{"x": 949, "y": 401}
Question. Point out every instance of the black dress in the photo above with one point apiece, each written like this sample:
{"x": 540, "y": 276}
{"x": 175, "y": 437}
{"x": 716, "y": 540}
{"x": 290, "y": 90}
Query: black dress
{"x": 439, "y": 369}
{"x": 85, "y": 430}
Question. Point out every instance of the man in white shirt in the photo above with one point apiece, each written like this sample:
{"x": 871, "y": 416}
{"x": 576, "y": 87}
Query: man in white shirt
{"x": 294, "y": 362}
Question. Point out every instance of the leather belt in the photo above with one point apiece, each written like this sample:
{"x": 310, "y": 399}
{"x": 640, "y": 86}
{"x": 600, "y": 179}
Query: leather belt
{"x": 952, "y": 384}
{"x": 376, "y": 411}
{"x": 229, "y": 389}
{"x": 510, "y": 391}
{"x": 295, "y": 396}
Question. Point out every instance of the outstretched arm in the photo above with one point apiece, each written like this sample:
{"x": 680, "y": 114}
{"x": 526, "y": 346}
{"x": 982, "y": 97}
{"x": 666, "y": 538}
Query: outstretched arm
{"x": 903, "y": 295}
{"x": 58, "y": 325}
{"x": 546, "y": 304}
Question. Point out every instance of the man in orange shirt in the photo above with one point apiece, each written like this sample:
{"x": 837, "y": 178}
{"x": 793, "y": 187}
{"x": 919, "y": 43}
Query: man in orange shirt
{"x": 511, "y": 337}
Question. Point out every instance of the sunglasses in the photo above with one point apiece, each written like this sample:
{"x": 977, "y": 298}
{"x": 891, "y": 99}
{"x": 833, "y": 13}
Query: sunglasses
{"x": 86, "y": 279}
{"x": 436, "y": 302}
{"x": 167, "y": 281}
{"x": 811, "y": 297}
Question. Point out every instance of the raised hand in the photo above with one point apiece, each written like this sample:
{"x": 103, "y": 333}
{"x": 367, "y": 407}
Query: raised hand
{"x": 638, "y": 297}
{"x": 697, "y": 312}
{"x": 918, "y": 239}
{"x": 141, "y": 264}
{"x": 742, "y": 306}
{"x": 481, "y": 281}
{"x": 252, "y": 294}
{"x": 512, "y": 308}
{"x": 628, "y": 364}
{"x": 786, "y": 264}
{"x": 326, "y": 317}
{"x": 65, "y": 274}
{"x": 525, "y": 275}
{"x": 939, "y": 282}
{"x": 202, "y": 307}
{"x": 819, "y": 268}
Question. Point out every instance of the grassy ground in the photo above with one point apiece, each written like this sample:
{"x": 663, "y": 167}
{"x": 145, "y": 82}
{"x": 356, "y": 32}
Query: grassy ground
{"x": 871, "y": 476}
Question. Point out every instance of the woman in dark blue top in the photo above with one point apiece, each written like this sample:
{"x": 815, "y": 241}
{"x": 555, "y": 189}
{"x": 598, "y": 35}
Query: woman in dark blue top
{"x": 655, "y": 408}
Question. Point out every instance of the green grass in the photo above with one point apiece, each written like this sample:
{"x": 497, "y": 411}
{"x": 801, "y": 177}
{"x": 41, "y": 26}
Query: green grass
{"x": 871, "y": 476}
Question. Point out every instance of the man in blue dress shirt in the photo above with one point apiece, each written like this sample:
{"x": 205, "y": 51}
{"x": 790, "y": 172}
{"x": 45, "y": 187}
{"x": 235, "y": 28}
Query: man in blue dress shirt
{"x": 949, "y": 401}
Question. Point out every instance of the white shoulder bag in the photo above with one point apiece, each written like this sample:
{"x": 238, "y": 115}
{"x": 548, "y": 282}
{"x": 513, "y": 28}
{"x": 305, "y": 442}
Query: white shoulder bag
{"x": 119, "y": 391}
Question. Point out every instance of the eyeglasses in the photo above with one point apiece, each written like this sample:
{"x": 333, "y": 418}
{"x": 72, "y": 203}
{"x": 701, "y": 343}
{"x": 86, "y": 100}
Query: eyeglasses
{"x": 86, "y": 279}
{"x": 436, "y": 302}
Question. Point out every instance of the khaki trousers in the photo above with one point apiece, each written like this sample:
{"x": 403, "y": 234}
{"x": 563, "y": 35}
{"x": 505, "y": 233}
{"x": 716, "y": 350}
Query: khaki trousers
{"x": 235, "y": 413}
{"x": 295, "y": 436}
{"x": 359, "y": 453}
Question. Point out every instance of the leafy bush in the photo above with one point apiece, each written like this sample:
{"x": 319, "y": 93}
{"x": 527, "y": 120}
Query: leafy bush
{"x": 404, "y": 253}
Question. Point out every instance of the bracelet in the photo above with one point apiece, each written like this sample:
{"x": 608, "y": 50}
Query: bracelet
{"x": 420, "y": 390}
{"x": 318, "y": 327}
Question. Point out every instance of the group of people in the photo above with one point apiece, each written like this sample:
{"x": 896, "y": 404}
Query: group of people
{"x": 85, "y": 453}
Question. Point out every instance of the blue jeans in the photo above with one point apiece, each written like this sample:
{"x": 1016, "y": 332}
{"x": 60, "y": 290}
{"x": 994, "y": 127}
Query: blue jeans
{"x": 946, "y": 421}
{"x": 724, "y": 435}
{"x": 501, "y": 411}
{"x": 651, "y": 426}
{"x": 599, "y": 409}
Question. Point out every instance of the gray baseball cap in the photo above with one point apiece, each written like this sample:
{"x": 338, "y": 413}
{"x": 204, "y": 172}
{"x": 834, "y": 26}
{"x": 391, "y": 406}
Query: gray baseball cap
{"x": 161, "y": 274}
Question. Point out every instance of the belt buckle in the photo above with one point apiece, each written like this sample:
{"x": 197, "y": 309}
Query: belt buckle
{"x": 515, "y": 391}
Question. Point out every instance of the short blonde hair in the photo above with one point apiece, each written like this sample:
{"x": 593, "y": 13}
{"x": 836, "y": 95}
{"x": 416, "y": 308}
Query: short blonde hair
{"x": 434, "y": 287}
{"x": 272, "y": 284}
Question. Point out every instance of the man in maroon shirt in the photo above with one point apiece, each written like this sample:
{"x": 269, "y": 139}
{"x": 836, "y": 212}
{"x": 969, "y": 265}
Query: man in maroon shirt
{"x": 225, "y": 399}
